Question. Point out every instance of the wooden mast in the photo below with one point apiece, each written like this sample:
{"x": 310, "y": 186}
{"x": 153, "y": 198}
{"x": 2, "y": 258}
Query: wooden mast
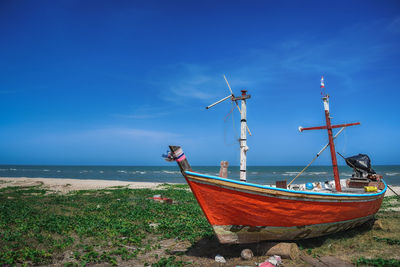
{"x": 329, "y": 127}
{"x": 331, "y": 144}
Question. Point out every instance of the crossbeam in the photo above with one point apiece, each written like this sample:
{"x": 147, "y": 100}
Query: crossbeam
{"x": 326, "y": 127}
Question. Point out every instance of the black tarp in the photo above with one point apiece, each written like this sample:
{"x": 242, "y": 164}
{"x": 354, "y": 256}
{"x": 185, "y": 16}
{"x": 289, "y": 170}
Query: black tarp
{"x": 361, "y": 162}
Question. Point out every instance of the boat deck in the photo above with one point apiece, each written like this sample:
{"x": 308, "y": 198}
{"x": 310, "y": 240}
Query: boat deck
{"x": 329, "y": 188}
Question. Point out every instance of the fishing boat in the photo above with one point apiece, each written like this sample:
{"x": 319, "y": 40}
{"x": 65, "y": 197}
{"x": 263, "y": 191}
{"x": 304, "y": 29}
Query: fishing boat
{"x": 244, "y": 212}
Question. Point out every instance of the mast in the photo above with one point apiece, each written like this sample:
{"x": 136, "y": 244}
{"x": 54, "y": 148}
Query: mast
{"x": 243, "y": 126}
{"x": 331, "y": 144}
{"x": 243, "y": 138}
{"x": 329, "y": 127}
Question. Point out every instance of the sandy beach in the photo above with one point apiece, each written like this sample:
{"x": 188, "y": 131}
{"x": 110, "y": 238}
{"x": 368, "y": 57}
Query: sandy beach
{"x": 126, "y": 228}
{"x": 67, "y": 185}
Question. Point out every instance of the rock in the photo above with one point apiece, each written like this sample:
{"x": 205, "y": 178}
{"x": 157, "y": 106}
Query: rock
{"x": 331, "y": 261}
{"x": 246, "y": 254}
{"x": 220, "y": 259}
{"x": 285, "y": 250}
{"x": 179, "y": 248}
{"x": 154, "y": 225}
{"x": 378, "y": 225}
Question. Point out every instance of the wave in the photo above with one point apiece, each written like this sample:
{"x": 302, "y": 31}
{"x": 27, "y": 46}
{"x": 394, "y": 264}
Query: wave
{"x": 170, "y": 172}
{"x": 122, "y": 171}
{"x": 316, "y": 173}
{"x": 138, "y": 172}
{"x": 290, "y": 173}
{"x": 392, "y": 173}
{"x": 306, "y": 173}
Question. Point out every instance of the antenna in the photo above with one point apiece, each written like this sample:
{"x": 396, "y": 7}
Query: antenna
{"x": 243, "y": 126}
{"x": 219, "y": 101}
{"x": 232, "y": 96}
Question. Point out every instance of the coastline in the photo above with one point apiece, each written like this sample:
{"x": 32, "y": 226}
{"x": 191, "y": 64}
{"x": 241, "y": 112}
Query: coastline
{"x": 66, "y": 185}
{"x": 63, "y": 225}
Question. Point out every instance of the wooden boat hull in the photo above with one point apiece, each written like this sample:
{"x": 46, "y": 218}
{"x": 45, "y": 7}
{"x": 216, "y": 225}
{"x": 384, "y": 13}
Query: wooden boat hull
{"x": 243, "y": 212}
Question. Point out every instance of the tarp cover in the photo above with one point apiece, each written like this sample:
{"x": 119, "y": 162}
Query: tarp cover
{"x": 361, "y": 162}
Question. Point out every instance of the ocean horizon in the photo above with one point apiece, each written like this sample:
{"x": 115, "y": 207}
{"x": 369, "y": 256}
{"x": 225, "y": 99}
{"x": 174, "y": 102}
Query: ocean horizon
{"x": 171, "y": 174}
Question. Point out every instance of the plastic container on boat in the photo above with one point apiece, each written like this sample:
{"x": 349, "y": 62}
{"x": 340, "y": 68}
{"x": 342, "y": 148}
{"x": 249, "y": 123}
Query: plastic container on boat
{"x": 370, "y": 188}
{"x": 309, "y": 186}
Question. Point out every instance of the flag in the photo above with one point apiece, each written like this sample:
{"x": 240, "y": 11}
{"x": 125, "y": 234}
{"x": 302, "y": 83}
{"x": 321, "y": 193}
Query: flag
{"x": 322, "y": 82}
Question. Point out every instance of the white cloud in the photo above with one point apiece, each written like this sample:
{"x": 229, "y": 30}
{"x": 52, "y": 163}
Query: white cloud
{"x": 191, "y": 82}
{"x": 145, "y": 112}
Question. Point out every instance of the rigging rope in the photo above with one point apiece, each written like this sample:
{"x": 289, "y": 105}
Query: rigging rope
{"x": 225, "y": 128}
{"x": 316, "y": 156}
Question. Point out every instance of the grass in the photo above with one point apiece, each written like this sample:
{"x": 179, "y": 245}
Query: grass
{"x": 94, "y": 226}
{"x": 118, "y": 226}
{"x": 364, "y": 246}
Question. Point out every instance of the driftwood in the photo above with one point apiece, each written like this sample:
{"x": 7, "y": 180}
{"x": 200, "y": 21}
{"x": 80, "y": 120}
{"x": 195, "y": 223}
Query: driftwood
{"x": 285, "y": 250}
{"x": 223, "y": 172}
{"x": 326, "y": 261}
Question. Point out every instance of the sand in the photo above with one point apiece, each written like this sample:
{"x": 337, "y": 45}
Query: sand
{"x": 67, "y": 185}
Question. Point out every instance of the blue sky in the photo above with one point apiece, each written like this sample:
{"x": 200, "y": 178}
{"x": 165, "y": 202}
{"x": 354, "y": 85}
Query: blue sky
{"x": 115, "y": 82}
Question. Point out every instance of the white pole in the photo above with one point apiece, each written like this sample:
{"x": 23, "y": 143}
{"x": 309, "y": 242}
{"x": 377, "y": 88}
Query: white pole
{"x": 230, "y": 89}
{"x": 243, "y": 141}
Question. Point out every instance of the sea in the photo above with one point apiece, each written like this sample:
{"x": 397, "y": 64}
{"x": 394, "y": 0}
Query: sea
{"x": 171, "y": 174}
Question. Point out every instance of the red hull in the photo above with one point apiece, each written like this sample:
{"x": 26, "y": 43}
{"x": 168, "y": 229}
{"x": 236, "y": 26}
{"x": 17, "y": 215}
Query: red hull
{"x": 230, "y": 205}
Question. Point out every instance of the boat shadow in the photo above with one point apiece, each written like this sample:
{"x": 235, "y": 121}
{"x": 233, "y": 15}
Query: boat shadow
{"x": 319, "y": 241}
{"x": 209, "y": 247}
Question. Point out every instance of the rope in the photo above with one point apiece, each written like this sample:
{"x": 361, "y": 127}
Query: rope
{"x": 225, "y": 128}
{"x": 305, "y": 168}
{"x": 393, "y": 191}
{"x": 319, "y": 153}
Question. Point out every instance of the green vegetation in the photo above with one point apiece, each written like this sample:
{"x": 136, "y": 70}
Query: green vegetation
{"x": 367, "y": 244}
{"x": 169, "y": 262}
{"x": 376, "y": 262}
{"x": 123, "y": 226}
{"x": 390, "y": 241}
{"x": 41, "y": 227}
